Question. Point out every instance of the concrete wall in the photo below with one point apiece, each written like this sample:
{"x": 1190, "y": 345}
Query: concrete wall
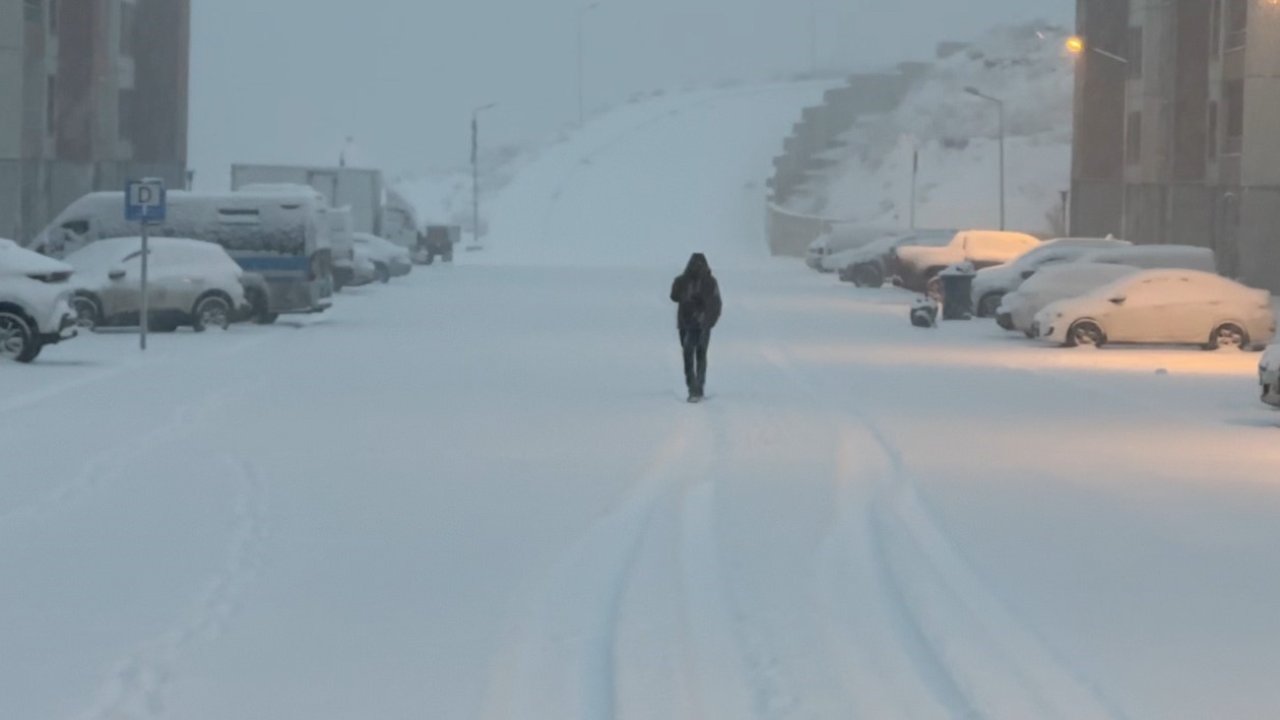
{"x": 817, "y": 133}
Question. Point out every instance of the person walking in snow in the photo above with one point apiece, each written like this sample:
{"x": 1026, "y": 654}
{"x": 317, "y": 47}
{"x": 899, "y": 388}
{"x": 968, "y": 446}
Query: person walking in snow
{"x": 698, "y": 295}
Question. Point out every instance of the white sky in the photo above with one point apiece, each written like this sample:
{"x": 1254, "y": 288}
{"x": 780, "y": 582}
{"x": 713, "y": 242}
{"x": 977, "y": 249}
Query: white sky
{"x": 288, "y": 80}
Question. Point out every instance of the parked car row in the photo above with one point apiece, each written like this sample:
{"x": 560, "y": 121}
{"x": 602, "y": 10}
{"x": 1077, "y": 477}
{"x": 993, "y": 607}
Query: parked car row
{"x": 247, "y": 256}
{"x": 1076, "y": 292}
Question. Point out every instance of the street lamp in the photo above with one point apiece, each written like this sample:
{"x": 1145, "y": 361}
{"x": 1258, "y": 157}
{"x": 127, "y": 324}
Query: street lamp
{"x": 1000, "y": 106}
{"x": 813, "y": 37}
{"x": 582, "y": 81}
{"x": 476, "y": 233}
{"x": 1078, "y": 46}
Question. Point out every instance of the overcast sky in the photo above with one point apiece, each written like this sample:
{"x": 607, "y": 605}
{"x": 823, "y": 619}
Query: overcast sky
{"x": 288, "y": 80}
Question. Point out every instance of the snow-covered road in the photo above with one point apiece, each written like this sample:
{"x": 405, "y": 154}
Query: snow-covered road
{"x": 478, "y": 493}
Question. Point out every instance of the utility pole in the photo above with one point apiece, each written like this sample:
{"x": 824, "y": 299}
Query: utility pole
{"x": 813, "y": 37}
{"x": 476, "y": 234}
{"x": 1000, "y": 107}
{"x": 582, "y": 53}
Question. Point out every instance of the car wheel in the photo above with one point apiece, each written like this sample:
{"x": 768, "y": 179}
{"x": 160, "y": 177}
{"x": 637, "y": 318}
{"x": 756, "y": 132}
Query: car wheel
{"x": 989, "y": 305}
{"x": 88, "y": 312}
{"x": 431, "y": 258}
{"x": 1086, "y": 333}
{"x": 18, "y": 342}
{"x": 868, "y": 276}
{"x": 211, "y": 311}
{"x": 1228, "y": 335}
{"x": 382, "y": 273}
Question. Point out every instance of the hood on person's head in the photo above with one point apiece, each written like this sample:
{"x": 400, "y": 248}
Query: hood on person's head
{"x": 698, "y": 265}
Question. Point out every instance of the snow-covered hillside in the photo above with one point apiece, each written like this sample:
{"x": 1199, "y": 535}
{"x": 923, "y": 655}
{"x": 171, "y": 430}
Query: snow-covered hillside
{"x": 957, "y": 137}
{"x": 683, "y": 171}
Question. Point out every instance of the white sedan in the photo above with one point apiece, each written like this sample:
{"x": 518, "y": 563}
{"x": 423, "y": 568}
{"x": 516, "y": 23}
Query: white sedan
{"x": 991, "y": 284}
{"x": 1019, "y": 308}
{"x": 1269, "y": 375}
{"x": 1184, "y": 307}
{"x": 389, "y": 259}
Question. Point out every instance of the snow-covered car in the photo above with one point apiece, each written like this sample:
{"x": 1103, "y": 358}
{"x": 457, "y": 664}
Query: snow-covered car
{"x": 35, "y": 307}
{"x": 1269, "y": 375}
{"x": 389, "y": 259}
{"x": 916, "y": 266}
{"x": 840, "y": 238}
{"x": 871, "y": 264}
{"x": 1156, "y": 257}
{"x": 1183, "y": 307}
{"x": 1019, "y": 308}
{"x": 991, "y": 284}
{"x": 191, "y": 283}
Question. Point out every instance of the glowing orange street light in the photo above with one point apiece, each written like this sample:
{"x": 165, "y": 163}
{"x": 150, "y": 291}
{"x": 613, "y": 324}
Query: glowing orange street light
{"x": 1075, "y": 45}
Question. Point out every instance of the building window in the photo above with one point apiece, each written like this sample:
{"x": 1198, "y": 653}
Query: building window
{"x": 128, "y": 28}
{"x": 1237, "y": 23}
{"x": 1135, "y": 52}
{"x": 1212, "y": 131}
{"x": 127, "y": 112}
{"x": 33, "y": 10}
{"x": 1133, "y": 139}
{"x": 1215, "y": 28}
{"x": 1233, "y": 98}
{"x": 51, "y": 105}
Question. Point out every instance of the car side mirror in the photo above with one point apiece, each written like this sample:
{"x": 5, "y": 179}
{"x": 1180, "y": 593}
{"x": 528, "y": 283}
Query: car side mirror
{"x": 117, "y": 274}
{"x": 1118, "y": 300}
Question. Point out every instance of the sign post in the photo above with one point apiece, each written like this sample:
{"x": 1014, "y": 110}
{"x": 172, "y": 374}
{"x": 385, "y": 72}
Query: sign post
{"x": 145, "y": 202}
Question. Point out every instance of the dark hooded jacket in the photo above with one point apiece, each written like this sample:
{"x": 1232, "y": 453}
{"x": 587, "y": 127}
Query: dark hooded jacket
{"x": 698, "y": 294}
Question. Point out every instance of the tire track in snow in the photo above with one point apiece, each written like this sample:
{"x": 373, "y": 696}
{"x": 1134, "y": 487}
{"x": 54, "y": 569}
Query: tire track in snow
{"x": 135, "y": 688}
{"x": 679, "y": 645}
{"x": 977, "y": 658}
{"x": 562, "y": 664}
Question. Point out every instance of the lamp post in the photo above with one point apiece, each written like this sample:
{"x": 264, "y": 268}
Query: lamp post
{"x": 476, "y": 233}
{"x": 813, "y": 37}
{"x": 582, "y": 52}
{"x": 1000, "y": 106}
{"x": 1077, "y": 46}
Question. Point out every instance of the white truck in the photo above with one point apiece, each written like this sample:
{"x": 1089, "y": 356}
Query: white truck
{"x": 374, "y": 210}
{"x": 917, "y": 265}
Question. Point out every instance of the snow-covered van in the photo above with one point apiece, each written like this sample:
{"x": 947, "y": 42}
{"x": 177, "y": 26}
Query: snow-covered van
{"x": 273, "y": 235}
{"x": 917, "y": 265}
{"x": 35, "y": 303}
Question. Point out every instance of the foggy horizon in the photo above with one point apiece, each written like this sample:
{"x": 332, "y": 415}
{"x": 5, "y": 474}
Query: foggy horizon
{"x": 410, "y": 63}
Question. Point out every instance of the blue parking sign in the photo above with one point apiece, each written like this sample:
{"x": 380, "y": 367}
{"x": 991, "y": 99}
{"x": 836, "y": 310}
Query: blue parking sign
{"x": 145, "y": 200}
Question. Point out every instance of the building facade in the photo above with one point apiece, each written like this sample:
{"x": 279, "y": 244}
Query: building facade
{"x": 101, "y": 89}
{"x": 1177, "y": 107}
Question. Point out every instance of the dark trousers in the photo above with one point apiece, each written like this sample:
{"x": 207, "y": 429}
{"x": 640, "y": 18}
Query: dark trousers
{"x": 695, "y": 342}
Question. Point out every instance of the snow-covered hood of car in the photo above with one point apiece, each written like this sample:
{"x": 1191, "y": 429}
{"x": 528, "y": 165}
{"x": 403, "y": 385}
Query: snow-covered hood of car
{"x": 15, "y": 260}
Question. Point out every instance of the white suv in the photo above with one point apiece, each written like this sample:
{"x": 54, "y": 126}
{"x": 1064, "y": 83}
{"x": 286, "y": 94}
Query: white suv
{"x": 35, "y": 308}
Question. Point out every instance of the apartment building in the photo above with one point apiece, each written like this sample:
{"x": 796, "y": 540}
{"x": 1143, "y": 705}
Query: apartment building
{"x": 1177, "y": 108}
{"x": 96, "y": 92}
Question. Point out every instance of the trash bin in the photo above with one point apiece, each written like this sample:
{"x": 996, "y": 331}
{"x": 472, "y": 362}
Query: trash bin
{"x": 957, "y": 292}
